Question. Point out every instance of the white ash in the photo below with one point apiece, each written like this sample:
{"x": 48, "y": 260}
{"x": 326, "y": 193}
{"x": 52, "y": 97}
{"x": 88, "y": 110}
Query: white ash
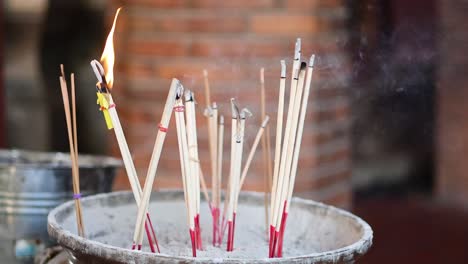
{"x": 306, "y": 233}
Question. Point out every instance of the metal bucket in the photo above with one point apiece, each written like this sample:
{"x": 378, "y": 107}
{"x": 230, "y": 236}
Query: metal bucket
{"x": 31, "y": 184}
{"x": 316, "y": 233}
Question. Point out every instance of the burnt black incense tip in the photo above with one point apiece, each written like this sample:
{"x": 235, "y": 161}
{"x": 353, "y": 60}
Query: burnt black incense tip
{"x": 303, "y": 65}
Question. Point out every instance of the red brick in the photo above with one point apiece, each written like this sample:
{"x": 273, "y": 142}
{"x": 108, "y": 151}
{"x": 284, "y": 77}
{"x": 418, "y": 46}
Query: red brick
{"x": 338, "y": 112}
{"x": 166, "y": 48}
{"x": 189, "y": 23}
{"x": 312, "y": 4}
{"x": 292, "y": 24}
{"x": 159, "y": 40}
{"x": 238, "y": 4}
{"x": 237, "y": 48}
{"x": 153, "y": 3}
{"x": 317, "y": 183}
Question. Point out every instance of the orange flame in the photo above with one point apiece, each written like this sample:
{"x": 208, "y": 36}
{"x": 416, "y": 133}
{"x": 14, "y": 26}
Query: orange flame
{"x": 108, "y": 56}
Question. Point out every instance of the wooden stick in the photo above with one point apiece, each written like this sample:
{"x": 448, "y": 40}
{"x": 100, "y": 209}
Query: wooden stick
{"x": 217, "y": 231}
{"x": 75, "y": 136}
{"x": 267, "y": 171}
{"x": 294, "y": 79}
{"x": 220, "y": 155}
{"x": 232, "y": 171}
{"x": 185, "y": 167}
{"x": 182, "y": 160}
{"x": 75, "y": 169}
{"x": 238, "y": 163}
{"x": 75, "y": 173}
{"x": 290, "y": 150}
{"x": 210, "y": 112}
{"x": 290, "y": 139}
{"x": 125, "y": 152}
{"x": 75, "y": 140}
{"x": 252, "y": 151}
{"x": 295, "y": 160}
{"x": 193, "y": 161}
{"x": 281, "y": 175}
{"x": 279, "y": 135}
{"x": 62, "y": 72}
{"x": 207, "y": 88}
{"x": 127, "y": 159}
{"x": 214, "y": 142}
{"x": 176, "y": 87}
{"x": 300, "y": 130}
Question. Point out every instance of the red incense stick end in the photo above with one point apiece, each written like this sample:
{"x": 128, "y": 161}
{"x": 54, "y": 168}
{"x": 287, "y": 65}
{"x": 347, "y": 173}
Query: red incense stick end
{"x": 154, "y": 234}
{"x": 215, "y": 214}
{"x": 194, "y": 244}
{"x": 198, "y": 232}
{"x": 270, "y": 243}
{"x": 139, "y": 247}
{"x": 281, "y": 235}
{"x": 233, "y": 230}
{"x": 148, "y": 234}
{"x": 229, "y": 241}
{"x": 133, "y": 246}
{"x": 273, "y": 246}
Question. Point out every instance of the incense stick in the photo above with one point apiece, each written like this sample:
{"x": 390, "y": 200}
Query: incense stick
{"x": 207, "y": 88}
{"x": 194, "y": 160}
{"x": 185, "y": 168}
{"x": 297, "y": 149}
{"x": 244, "y": 113}
{"x": 214, "y": 140}
{"x": 288, "y": 161}
{"x": 107, "y": 104}
{"x": 252, "y": 151}
{"x": 219, "y": 166}
{"x": 281, "y": 181}
{"x": 232, "y": 172}
{"x": 75, "y": 172}
{"x": 75, "y": 139}
{"x": 175, "y": 87}
{"x": 75, "y": 136}
{"x": 267, "y": 171}
{"x": 279, "y": 133}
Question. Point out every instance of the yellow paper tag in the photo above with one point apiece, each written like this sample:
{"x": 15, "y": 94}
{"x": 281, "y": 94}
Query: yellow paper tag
{"x": 102, "y": 102}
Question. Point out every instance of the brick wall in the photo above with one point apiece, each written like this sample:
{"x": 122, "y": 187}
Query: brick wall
{"x": 452, "y": 143}
{"x": 160, "y": 39}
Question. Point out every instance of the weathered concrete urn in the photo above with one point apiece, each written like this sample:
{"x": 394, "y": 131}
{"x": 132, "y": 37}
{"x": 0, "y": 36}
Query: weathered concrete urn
{"x": 316, "y": 233}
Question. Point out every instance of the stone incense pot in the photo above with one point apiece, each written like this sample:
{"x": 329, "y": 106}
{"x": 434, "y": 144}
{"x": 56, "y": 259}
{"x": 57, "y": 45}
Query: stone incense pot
{"x": 315, "y": 233}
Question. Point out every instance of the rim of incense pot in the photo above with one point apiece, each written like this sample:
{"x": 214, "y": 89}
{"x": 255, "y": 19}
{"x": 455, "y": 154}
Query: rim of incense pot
{"x": 52, "y": 160}
{"x": 114, "y": 254}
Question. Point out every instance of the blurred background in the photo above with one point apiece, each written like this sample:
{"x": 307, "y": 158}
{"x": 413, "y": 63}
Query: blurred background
{"x": 386, "y": 125}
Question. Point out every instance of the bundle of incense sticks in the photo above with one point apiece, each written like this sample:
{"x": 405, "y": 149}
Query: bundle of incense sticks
{"x": 287, "y": 149}
{"x": 215, "y": 142}
{"x": 73, "y": 142}
{"x": 237, "y": 143}
{"x": 266, "y": 148}
{"x": 287, "y": 154}
{"x": 194, "y": 169}
{"x": 175, "y": 89}
{"x": 107, "y": 106}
